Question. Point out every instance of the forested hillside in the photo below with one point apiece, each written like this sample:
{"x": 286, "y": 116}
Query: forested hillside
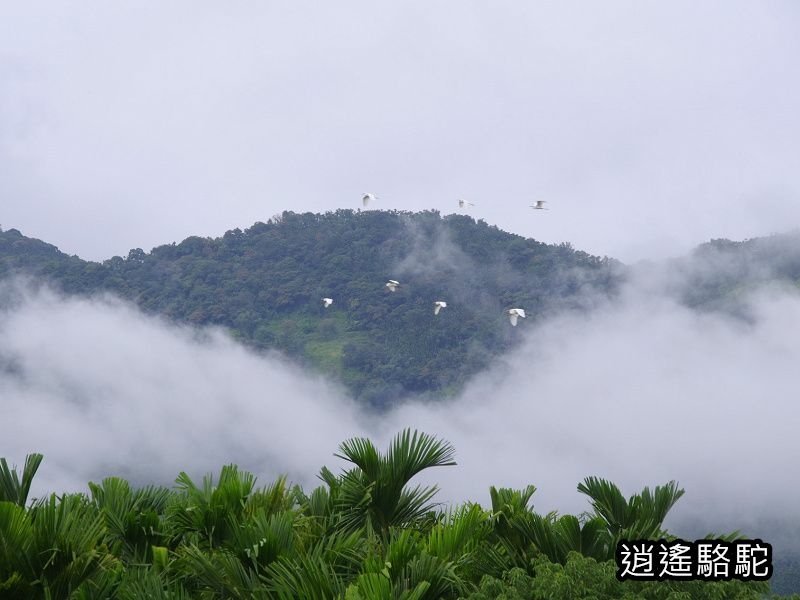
{"x": 719, "y": 273}
{"x": 266, "y": 284}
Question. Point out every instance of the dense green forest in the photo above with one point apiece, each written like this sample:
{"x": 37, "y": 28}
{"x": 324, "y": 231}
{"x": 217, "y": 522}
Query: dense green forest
{"x": 266, "y": 285}
{"x": 366, "y": 533}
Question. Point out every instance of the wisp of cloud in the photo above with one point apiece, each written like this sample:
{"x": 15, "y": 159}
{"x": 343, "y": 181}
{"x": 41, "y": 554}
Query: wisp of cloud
{"x": 101, "y": 389}
{"x": 641, "y": 390}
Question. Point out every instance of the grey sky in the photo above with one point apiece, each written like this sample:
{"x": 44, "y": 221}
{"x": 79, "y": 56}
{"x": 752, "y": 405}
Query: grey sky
{"x": 650, "y": 127}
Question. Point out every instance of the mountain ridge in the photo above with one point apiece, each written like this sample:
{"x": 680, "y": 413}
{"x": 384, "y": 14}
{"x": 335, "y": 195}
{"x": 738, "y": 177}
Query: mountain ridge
{"x": 265, "y": 284}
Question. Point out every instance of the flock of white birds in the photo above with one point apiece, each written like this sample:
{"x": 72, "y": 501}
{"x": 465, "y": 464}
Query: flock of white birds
{"x": 513, "y": 313}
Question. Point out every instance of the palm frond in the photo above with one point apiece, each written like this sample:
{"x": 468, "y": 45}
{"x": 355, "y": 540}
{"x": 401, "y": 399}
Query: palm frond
{"x": 374, "y": 494}
{"x": 262, "y": 538}
{"x": 14, "y": 488}
{"x": 219, "y": 572}
{"x": 411, "y": 453}
{"x": 362, "y": 453}
{"x": 608, "y": 503}
{"x": 309, "y": 578}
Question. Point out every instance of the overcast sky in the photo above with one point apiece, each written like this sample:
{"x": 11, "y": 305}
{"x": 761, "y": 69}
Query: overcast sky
{"x": 649, "y": 127}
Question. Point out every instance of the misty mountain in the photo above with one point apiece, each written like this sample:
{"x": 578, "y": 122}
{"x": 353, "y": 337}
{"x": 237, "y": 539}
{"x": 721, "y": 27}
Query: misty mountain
{"x": 717, "y": 274}
{"x": 265, "y": 285}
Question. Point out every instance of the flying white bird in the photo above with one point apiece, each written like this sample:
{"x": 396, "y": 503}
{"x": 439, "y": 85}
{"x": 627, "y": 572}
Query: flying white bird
{"x": 367, "y": 198}
{"x": 392, "y": 285}
{"x": 439, "y": 306}
{"x": 327, "y": 302}
{"x": 513, "y": 313}
{"x": 539, "y": 205}
{"x": 463, "y": 203}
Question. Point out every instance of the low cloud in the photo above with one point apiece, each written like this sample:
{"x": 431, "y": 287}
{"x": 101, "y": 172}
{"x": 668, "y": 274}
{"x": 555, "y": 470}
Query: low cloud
{"x": 640, "y": 390}
{"x": 101, "y": 389}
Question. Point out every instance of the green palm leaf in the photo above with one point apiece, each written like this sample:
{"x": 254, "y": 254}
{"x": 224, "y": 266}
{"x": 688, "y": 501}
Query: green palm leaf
{"x": 374, "y": 494}
{"x": 640, "y": 517}
{"x": 12, "y": 487}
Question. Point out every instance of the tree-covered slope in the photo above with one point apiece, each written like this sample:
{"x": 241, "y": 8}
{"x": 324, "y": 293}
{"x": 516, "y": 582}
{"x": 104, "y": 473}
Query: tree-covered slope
{"x": 266, "y": 283}
{"x": 718, "y": 274}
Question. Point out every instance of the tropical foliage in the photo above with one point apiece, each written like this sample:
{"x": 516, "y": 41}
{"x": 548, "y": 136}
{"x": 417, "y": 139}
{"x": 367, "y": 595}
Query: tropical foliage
{"x": 367, "y": 533}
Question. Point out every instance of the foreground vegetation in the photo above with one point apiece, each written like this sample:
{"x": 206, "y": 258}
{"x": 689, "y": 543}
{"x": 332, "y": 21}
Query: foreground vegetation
{"x": 365, "y": 533}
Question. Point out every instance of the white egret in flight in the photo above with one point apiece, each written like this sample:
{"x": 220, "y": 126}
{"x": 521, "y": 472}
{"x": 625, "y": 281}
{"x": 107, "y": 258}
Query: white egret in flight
{"x": 439, "y": 306}
{"x": 392, "y": 285}
{"x": 327, "y": 302}
{"x": 539, "y": 205}
{"x": 367, "y": 198}
{"x": 463, "y": 203}
{"x": 513, "y": 313}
